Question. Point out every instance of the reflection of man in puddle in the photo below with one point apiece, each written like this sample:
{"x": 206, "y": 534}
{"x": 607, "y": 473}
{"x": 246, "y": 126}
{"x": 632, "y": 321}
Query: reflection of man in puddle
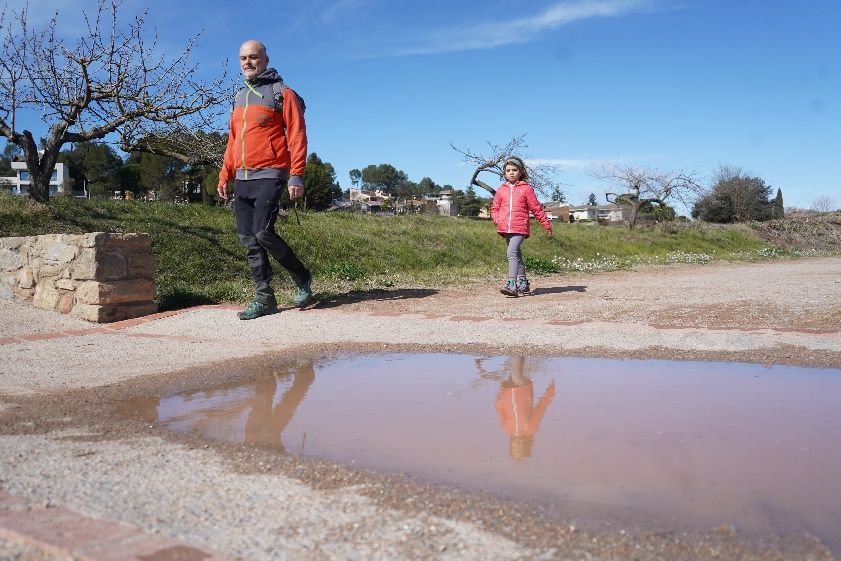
{"x": 518, "y": 417}
{"x": 266, "y": 421}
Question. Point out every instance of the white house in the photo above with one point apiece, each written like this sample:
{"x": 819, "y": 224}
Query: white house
{"x": 445, "y": 203}
{"x": 610, "y": 213}
{"x": 613, "y": 213}
{"x": 583, "y": 212}
{"x": 368, "y": 201}
{"x": 21, "y": 182}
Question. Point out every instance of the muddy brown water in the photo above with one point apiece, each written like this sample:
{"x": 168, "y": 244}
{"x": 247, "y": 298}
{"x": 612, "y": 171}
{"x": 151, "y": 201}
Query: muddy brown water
{"x": 652, "y": 444}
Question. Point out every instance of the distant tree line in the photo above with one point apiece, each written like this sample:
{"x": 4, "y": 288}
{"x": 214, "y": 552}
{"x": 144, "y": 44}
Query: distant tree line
{"x": 96, "y": 169}
{"x": 396, "y": 183}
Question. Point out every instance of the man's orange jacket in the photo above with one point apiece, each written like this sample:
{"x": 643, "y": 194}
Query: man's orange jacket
{"x": 268, "y": 136}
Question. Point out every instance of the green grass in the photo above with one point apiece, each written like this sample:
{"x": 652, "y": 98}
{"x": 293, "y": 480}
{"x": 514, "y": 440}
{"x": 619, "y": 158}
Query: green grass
{"x": 199, "y": 259}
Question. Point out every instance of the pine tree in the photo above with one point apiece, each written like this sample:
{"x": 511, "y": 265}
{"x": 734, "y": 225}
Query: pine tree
{"x": 319, "y": 183}
{"x": 779, "y": 210}
{"x": 592, "y": 200}
{"x": 470, "y": 205}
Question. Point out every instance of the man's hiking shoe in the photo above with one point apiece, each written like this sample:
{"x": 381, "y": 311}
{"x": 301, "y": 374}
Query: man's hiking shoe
{"x": 257, "y": 309}
{"x": 509, "y": 289}
{"x": 303, "y": 295}
{"x": 523, "y": 286}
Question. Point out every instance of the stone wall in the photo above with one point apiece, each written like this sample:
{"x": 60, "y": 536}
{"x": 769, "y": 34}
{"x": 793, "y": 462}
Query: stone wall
{"x": 98, "y": 277}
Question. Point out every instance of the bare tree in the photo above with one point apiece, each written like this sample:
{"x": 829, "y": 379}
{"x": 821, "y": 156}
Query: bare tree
{"x": 186, "y": 143}
{"x": 822, "y": 204}
{"x": 640, "y": 186}
{"x": 111, "y": 82}
{"x": 541, "y": 176}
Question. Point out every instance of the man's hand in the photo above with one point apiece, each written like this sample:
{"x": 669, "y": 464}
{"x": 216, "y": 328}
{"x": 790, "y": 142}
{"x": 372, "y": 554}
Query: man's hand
{"x": 295, "y": 192}
{"x": 222, "y": 190}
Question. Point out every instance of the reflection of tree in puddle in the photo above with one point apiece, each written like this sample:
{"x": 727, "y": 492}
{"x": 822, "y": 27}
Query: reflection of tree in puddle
{"x": 518, "y": 415}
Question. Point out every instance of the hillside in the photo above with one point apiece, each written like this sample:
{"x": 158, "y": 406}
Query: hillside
{"x": 199, "y": 259}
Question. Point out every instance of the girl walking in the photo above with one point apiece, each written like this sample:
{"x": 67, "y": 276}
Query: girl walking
{"x": 510, "y": 209}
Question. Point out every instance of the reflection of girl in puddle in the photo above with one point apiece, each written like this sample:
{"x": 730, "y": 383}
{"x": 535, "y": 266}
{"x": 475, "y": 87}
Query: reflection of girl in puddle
{"x": 517, "y": 415}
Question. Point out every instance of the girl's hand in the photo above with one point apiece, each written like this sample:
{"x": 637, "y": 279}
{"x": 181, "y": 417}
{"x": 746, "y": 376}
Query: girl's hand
{"x": 549, "y": 231}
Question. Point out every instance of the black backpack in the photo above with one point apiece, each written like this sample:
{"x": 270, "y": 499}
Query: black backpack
{"x": 278, "y": 88}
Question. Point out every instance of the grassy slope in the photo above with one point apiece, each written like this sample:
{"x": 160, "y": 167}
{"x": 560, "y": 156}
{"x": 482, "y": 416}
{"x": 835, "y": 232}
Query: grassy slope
{"x": 199, "y": 259}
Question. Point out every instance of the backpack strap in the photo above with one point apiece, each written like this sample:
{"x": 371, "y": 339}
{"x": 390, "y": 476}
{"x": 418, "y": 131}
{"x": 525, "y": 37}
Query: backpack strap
{"x": 278, "y": 89}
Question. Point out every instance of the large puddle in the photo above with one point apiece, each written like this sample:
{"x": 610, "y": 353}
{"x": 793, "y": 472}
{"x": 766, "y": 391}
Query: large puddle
{"x": 662, "y": 444}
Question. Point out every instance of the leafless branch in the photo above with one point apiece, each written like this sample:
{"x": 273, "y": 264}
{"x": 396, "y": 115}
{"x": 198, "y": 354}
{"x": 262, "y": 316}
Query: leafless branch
{"x": 541, "y": 176}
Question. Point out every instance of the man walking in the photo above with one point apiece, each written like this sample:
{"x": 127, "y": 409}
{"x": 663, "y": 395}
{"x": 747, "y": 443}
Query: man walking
{"x": 266, "y": 152}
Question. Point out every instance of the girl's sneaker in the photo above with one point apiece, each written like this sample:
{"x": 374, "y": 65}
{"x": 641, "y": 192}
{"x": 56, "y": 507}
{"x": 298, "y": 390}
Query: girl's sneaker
{"x": 509, "y": 288}
{"x": 523, "y": 286}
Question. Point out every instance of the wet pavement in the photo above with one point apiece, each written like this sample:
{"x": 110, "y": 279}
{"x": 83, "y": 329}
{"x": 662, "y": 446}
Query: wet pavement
{"x": 649, "y": 443}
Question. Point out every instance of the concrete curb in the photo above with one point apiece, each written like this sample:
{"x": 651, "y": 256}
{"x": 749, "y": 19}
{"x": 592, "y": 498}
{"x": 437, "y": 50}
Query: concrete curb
{"x": 57, "y": 531}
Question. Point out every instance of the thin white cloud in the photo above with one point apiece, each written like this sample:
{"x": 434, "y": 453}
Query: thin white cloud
{"x": 570, "y": 163}
{"x": 338, "y": 9}
{"x": 488, "y": 35}
{"x": 579, "y": 164}
{"x": 587, "y": 163}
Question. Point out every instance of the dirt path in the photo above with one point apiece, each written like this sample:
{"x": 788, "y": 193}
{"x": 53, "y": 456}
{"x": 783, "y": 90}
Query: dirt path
{"x": 65, "y": 447}
{"x": 802, "y": 293}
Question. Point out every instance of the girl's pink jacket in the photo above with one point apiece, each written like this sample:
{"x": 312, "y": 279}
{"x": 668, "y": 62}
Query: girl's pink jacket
{"x": 510, "y": 209}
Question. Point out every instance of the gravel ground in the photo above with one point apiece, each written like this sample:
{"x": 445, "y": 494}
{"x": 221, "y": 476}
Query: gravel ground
{"x": 800, "y": 294}
{"x": 64, "y": 444}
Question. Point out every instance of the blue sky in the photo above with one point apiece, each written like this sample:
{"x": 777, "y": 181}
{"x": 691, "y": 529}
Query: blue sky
{"x": 670, "y": 84}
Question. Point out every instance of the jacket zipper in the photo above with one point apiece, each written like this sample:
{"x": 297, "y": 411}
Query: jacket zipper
{"x": 510, "y": 207}
{"x": 242, "y": 134}
{"x": 516, "y": 413}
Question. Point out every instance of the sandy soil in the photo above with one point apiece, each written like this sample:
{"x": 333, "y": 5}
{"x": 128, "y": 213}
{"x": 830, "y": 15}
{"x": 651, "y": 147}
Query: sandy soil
{"x": 64, "y": 442}
{"x": 794, "y": 294}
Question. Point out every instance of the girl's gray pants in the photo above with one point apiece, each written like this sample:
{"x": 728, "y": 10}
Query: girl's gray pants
{"x": 515, "y": 256}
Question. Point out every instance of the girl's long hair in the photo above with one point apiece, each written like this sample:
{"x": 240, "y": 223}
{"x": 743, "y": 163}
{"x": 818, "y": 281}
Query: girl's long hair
{"x": 518, "y": 163}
